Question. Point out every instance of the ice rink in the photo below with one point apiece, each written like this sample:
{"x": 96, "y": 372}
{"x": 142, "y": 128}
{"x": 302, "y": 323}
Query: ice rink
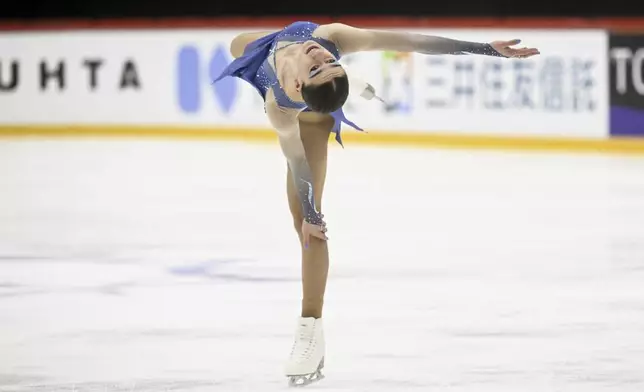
{"x": 132, "y": 265}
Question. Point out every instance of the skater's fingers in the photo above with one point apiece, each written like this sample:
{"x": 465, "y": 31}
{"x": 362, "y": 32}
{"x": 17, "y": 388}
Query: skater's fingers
{"x": 319, "y": 234}
{"x": 527, "y": 51}
{"x": 521, "y": 52}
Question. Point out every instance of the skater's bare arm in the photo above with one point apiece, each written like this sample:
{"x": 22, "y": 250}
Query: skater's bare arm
{"x": 239, "y": 43}
{"x": 287, "y": 125}
{"x": 352, "y": 39}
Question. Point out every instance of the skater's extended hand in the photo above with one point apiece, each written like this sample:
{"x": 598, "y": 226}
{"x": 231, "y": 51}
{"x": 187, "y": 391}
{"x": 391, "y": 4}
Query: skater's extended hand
{"x": 309, "y": 229}
{"x": 504, "y": 47}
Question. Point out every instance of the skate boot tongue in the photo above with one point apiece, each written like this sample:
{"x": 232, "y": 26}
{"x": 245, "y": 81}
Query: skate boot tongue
{"x": 308, "y": 321}
{"x": 306, "y": 328}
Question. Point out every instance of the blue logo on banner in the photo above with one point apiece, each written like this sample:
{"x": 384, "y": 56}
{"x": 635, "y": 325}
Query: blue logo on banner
{"x": 192, "y": 79}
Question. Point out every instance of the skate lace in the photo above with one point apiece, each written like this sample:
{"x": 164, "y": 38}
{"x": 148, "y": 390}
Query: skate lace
{"x": 304, "y": 344}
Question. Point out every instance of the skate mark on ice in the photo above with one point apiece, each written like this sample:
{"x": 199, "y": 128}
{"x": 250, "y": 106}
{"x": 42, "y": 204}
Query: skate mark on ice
{"x": 10, "y": 285}
{"x": 125, "y": 386}
{"x": 113, "y": 289}
{"x": 211, "y": 269}
{"x": 142, "y": 335}
{"x": 509, "y": 334}
{"x": 9, "y": 258}
{"x": 10, "y": 382}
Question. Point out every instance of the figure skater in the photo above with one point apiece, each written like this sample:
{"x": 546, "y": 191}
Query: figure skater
{"x": 296, "y": 71}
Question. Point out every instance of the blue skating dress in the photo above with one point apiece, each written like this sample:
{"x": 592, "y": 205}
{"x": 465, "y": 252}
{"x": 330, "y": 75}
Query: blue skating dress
{"x": 253, "y": 66}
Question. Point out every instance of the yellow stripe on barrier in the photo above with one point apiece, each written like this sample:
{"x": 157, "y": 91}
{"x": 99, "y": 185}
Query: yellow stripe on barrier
{"x": 393, "y": 139}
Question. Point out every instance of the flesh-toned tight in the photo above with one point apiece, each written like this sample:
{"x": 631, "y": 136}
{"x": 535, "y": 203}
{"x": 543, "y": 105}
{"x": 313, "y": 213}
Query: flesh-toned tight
{"x": 314, "y": 132}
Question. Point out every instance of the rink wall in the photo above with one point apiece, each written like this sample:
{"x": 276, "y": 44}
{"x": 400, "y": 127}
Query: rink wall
{"x": 153, "y": 78}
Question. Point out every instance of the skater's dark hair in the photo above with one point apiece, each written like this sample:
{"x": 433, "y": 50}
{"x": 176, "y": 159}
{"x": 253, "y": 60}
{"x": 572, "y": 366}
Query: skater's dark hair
{"x": 326, "y": 97}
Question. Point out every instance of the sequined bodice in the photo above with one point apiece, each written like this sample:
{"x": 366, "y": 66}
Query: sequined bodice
{"x": 266, "y": 78}
{"x": 254, "y": 67}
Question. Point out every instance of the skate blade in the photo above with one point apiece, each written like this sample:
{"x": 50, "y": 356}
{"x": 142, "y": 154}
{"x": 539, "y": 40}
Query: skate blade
{"x": 304, "y": 380}
{"x": 307, "y": 379}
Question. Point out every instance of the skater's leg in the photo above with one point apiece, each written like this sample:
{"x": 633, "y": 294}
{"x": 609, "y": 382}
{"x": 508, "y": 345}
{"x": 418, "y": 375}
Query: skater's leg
{"x": 315, "y": 259}
{"x": 307, "y": 355}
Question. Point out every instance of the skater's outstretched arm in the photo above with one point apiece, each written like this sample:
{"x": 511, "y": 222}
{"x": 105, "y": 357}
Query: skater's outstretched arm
{"x": 286, "y": 122}
{"x": 351, "y": 39}
{"x": 239, "y": 43}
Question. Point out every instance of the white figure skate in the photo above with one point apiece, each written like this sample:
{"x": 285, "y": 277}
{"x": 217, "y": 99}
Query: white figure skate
{"x": 306, "y": 361}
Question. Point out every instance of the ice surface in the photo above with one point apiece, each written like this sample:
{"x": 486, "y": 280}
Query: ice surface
{"x": 173, "y": 266}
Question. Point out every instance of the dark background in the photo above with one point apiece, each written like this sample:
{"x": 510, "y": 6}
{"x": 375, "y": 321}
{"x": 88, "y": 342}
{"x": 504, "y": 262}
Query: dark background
{"x": 631, "y": 98}
{"x": 39, "y": 9}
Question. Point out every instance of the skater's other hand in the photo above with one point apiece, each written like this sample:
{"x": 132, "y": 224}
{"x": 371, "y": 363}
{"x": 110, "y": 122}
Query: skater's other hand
{"x": 504, "y": 47}
{"x": 309, "y": 229}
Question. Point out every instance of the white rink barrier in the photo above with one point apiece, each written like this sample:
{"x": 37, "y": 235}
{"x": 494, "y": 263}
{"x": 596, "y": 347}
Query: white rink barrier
{"x": 163, "y": 78}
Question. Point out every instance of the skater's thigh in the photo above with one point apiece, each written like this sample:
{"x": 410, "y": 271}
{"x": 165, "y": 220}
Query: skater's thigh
{"x": 314, "y": 132}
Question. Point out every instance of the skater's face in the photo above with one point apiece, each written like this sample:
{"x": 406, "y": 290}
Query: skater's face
{"x": 315, "y": 65}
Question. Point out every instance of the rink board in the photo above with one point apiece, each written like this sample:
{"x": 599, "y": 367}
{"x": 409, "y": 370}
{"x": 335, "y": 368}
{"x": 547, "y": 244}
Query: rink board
{"x": 157, "y": 82}
{"x": 350, "y": 137}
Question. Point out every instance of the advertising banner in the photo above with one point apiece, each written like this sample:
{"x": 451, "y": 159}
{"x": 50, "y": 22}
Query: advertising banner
{"x": 562, "y": 92}
{"x": 627, "y": 85}
{"x": 164, "y": 77}
{"x": 122, "y": 77}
